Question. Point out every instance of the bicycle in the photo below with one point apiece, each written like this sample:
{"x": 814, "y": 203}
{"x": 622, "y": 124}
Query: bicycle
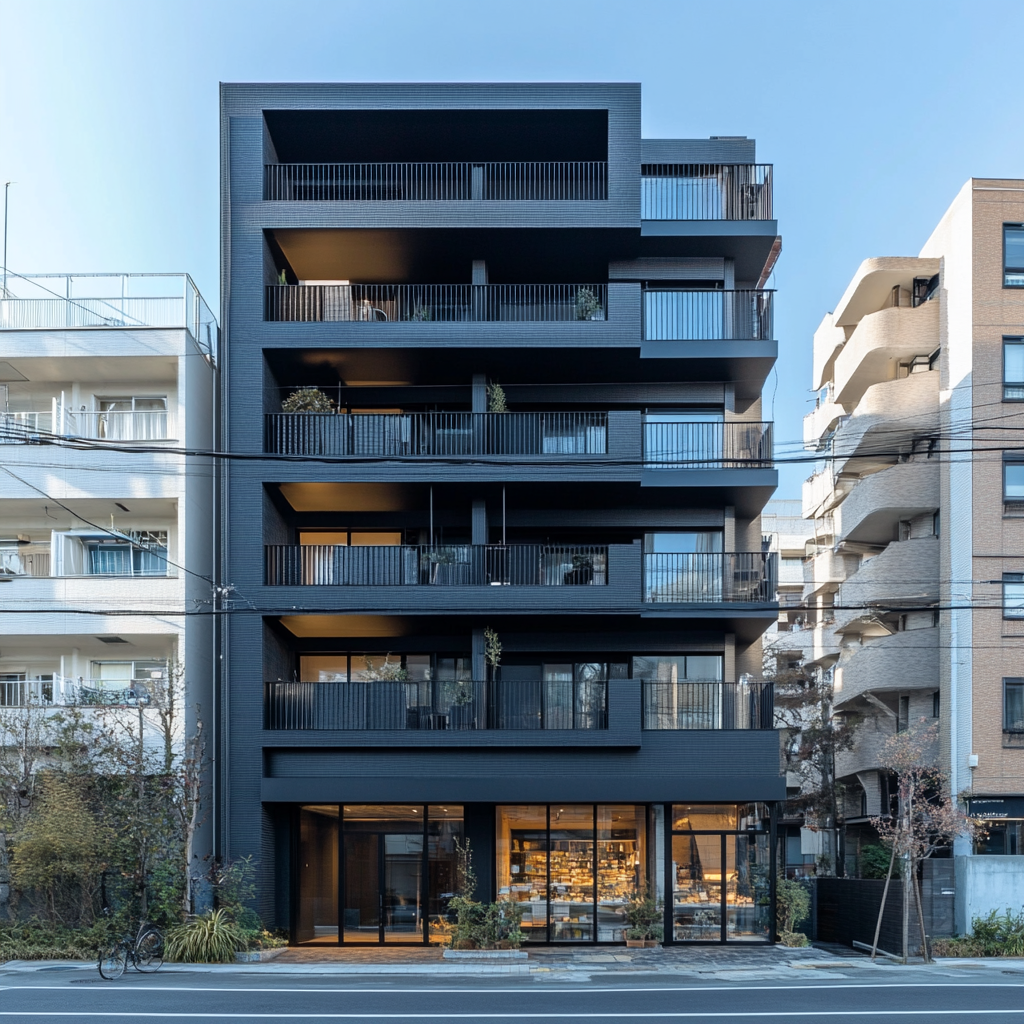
{"x": 145, "y": 953}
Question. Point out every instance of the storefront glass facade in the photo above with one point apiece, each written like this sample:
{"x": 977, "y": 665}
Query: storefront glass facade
{"x": 381, "y": 874}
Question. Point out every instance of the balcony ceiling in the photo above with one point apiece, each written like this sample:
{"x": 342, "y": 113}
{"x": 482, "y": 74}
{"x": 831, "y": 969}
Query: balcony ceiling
{"x": 441, "y": 256}
{"x": 96, "y": 371}
{"x": 88, "y": 645}
{"x": 35, "y": 513}
{"x": 437, "y": 136}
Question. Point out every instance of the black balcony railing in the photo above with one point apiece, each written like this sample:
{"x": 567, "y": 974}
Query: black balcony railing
{"x": 711, "y": 704}
{"x": 437, "y": 704}
{"x": 453, "y": 565}
{"x": 442, "y": 303}
{"x": 681, "y": 314}
{"x": 437, "y": 434}
{"x": 707, "y": 445}
{"x": 710, "y": 578}
{"x": 460, "y": 180}
{"x": 706, "y": 192}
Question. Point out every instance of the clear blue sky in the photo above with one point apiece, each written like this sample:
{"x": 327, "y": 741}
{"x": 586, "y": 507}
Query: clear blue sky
{"x": 873, "y": 113}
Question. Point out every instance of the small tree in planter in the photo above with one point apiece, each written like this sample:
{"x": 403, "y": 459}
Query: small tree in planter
{"x": 307, "y": 400}
{"x": 474, "y": 925}
{"x": 645, "y": 914}
{"x": 792, "y": 904}
{"x": 496, "y": 398}
{"x": 581, "y": 573}
{"x": 588, "y": 305}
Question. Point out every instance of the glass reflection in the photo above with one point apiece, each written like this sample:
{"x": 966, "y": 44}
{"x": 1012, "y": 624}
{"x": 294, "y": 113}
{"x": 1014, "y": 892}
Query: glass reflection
{"x": 747, "y": 893}
{"x": 621, "y": 856}
{"x": 317, "y": 919}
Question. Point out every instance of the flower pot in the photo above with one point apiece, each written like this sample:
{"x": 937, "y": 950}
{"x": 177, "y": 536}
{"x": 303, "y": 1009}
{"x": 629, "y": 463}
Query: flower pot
{"x": 635, "y": 943}
{"x": 651, "y": 943}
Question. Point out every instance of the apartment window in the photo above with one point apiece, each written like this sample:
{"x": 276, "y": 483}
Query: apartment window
{"x": 137, "y": 553}
{"x": 936, "y": 523}
{"x": 935, "y": 704}
{"x": 1013, "y": 255}
{"x": 1013, "y": 477}
{"x": 130, "y": 418}
{"x": 1013, "y": 595}
{"x": 905, "y": 529}
{"x": 1013, "y": 369}
{"x": 925, "y": 289}
{"x": 903, "y": 721}
{"x": 1013, "y": 705}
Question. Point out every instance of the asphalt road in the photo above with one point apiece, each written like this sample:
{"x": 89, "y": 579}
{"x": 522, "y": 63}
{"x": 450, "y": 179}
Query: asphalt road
{"x": 201, "y": 999}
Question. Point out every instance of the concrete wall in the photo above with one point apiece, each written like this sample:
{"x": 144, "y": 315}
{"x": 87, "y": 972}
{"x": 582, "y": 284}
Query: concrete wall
{"x": 984, "y": 884}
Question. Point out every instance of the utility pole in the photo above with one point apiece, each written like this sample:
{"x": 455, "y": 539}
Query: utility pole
{"x": 7, "y": 186}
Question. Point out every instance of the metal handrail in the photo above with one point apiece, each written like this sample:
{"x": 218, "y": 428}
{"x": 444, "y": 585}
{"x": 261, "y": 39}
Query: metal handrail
{"x": 707, "y": 704}
{"x": 76, "y": 691}
{"x": 437, "y": 434}
{"x": 474, "y": 565}
{"x": 706, "y": 192}
{"x": 710, "y": 578}
{"x": 707, "y": 445}
{"x": 506, "y": 180}
{"x": 436, "y": 704}
{"x": 684, "y": 314}
{"x": 443, "y": 303}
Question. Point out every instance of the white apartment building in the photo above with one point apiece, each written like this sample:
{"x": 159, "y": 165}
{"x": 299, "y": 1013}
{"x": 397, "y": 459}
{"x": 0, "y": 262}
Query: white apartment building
{"x": 106, "y": 526}
{"x": 914, "y": 578}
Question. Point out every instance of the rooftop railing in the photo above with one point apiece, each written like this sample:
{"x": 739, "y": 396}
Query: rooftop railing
{"x": 75, "y": 301}
{"x": 442, "y": 303}
{"x": 514, "y": 181}
{"x": 437, "y": 704}
{"x": 517, "y": 565}
{"x": 437, "y": 434}
{"x": 707, "y": 445}
{"x": 711, "y": 704}
{"x": 710, "y": 577}
{"x": 683, "y": 314}
{"x": 706, "y": 192}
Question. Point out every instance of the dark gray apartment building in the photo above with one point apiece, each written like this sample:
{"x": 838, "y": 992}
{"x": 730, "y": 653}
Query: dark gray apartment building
{"x": 493, "y": 368}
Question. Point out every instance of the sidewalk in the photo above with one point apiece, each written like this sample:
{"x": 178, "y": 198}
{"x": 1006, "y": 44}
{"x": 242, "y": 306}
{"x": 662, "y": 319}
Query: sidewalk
{"x": 697, "y": 963}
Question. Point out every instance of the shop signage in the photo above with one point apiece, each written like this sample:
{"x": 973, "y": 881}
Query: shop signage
{"x": 996, "y": 807}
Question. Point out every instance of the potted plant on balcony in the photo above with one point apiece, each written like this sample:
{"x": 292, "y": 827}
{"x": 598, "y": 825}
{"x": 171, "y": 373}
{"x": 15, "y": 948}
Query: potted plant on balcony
{"x": 308, "y": 400}
{"x": 581, "y": 573}
{"x": 645, "y": 914}
{"x": 588, "y": 305}
{"x": 421, "y": 314}
{"x": 442, "y": 566}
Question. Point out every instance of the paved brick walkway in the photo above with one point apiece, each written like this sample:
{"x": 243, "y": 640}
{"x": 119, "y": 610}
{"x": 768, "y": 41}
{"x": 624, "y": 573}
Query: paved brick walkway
{"x": 698, "y": 958}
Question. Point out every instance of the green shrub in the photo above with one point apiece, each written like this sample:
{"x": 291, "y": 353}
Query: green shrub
{"x": 644, "y": 912}
{"x": 485, "y": 925}
{"x": 39, "y": 940}
{"x": 874, "y": 861}
{"x": 994, "y": 935}
{"x": 792, "y": 904}
{"x": 211, "y": 938}
{"x": 795, "y": 940}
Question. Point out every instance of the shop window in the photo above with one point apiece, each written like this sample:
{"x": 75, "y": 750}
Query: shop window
{"x": 1000, "y": 838}
{"x": 571, "y": 867}
{"x": 1013, "y": 369}
{"x": 1013, "y": 255}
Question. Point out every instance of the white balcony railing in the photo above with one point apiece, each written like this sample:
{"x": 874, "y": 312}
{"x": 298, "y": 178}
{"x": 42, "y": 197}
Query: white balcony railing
{"x": 68, "y": 691}
{"x": 106, "y": 425}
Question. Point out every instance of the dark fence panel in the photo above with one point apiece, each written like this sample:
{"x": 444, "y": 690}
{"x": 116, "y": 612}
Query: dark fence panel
{"x": 459, "y": 180}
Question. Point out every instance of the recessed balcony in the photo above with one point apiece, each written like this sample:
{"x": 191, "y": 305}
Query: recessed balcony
{"x": 343, "y": 302}
{"x": 710, "y": 578}
{"x": 454, "y": 565}
{"x": 872, "y": 511}
{"x": 905, "y": 574}
{"x": 712, "y": 704}
{"x": 57, "y": 691}
{"x": 437, "y": 434}
{"x": 432, "y": 705}
{"x": 128, "y": 420}
{"x": 454, "y": 181}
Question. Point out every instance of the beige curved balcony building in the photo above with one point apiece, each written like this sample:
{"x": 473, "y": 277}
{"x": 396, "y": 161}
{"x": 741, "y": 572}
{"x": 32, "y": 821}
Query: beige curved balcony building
{"x": 904, "y": 661}
{"x": 872, "y": 511}
{"x": 890, "y": 419}
{"x": 905, "y": 574}
{"x": 880, "y": 344}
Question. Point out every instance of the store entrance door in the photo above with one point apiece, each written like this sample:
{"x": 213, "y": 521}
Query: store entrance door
{"x": 383, "y": 888}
